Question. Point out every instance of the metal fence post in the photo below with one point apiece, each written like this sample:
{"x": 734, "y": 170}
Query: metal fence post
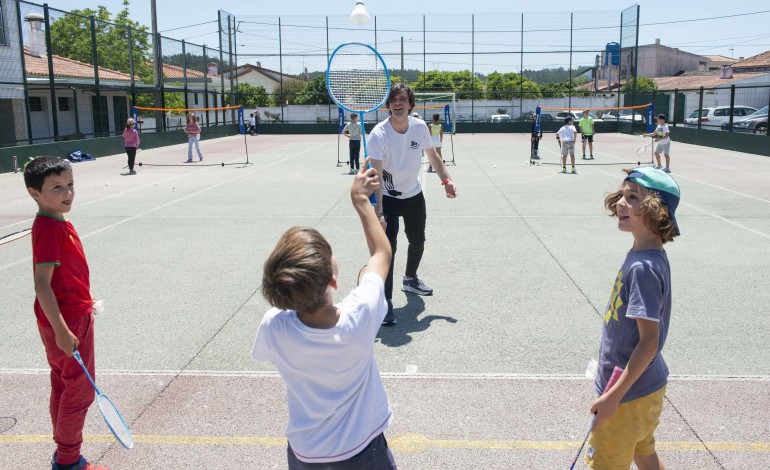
{"x": 51, "y": 76}
{"x": 97, "y": 92}
{"x": 700, "y": 105}
{"x": 732, "y": 107}
{"x": 24, "y": 73}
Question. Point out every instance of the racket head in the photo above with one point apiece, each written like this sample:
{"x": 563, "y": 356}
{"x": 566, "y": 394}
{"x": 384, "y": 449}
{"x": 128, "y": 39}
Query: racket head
{"x": 357, "y": 78}
{"x": 360, "y": 273}
{"x": 115, "y": 421}
{"x": 641, "y": 150}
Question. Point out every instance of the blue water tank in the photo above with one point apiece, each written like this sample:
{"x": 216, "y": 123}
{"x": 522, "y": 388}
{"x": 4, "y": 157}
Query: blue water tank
{"x": 612, "y": 53}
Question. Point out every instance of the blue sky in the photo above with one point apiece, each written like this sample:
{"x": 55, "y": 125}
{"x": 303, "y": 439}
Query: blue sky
{"x": 735, "y": 36}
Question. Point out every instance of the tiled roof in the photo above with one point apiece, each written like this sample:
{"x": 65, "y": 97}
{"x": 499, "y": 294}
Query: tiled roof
{"x": 694, "y": 81}
{"x": 719, "y": 58}
{"x": 759, "y": 60}
{"x": 64, "y": 67}
{"x": 174, "y": 71}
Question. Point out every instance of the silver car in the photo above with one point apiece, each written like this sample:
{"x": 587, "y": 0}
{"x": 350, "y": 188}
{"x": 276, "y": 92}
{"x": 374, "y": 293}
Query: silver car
{"x": 713, "y": 117}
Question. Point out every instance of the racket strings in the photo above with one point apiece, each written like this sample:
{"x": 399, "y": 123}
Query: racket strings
{"x": 357, "y": 78}
{"x": 115, "y": 421}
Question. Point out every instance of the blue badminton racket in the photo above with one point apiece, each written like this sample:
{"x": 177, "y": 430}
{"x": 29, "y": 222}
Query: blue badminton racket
{"x": 109, "y": 411}
{"x": 358, "y": 81}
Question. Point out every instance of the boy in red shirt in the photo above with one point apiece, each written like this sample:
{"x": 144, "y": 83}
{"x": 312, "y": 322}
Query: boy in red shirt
{"x": 63, "y": 306}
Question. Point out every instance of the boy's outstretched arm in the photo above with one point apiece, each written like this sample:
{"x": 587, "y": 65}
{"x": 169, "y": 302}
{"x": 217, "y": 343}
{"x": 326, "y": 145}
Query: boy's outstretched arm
{"x": 65, "y": 339}
{"x": 649, "y": 335}
{"x": 366, "y": 182}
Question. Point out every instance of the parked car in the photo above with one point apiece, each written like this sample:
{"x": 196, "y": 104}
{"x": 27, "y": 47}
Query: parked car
{"x": 561, "y": 115}
{"x": 625, "y": 115}
{"x": 714, "y": 116}
{"x": 755, "y": 122}
{"x": 500, "y": 118}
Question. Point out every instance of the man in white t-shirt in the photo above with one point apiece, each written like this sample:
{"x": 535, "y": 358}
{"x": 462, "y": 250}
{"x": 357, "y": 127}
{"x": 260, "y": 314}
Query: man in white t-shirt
{"x": 338, "y": 408}
{"x": 395, "y": 147}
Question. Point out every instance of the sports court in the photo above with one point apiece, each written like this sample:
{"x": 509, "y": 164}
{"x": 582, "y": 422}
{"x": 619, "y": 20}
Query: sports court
{"x": 487, "y": 373}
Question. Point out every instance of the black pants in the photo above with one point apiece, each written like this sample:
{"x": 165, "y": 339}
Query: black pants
{"x": 375, "y": 456}
{"x": 414, "y": 214}
{"x": 131, "y": 152}
{"x": 355, "y": 152}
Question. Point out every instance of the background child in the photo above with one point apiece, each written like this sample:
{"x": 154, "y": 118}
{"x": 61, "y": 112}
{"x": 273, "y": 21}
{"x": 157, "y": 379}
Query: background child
{"x": 537, "y": 134}
{"x": 63, "y": 306}
{"x": 437, "y": 135}
{"x": 131, "y": 138}
{"x": 193, "y": 130}
{"x": 252, "y": 124}
{"x": 566, "y": 138}
{"x": 664, "y": 142}
{"x": 636, "y": 325}
{"x": 586, "y": 125}
{"x": 338, "y": 408}
{"x": 353, "y": 132}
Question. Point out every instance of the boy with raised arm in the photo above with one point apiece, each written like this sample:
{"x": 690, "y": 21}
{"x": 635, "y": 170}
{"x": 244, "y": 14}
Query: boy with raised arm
{"x": 63, "y": 306}
{"x": 324, "y": 352}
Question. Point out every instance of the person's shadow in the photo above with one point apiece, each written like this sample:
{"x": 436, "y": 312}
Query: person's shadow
{"x": 399, "y": 334}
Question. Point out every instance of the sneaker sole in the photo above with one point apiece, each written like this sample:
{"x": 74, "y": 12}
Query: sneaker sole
{"x": 415, "y": 291}
{"x": 389, "y": 323}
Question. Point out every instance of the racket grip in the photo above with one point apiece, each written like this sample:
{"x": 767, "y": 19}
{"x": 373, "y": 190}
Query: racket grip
{"x": 616, "y": 373}
{"x": 372, "y": 197}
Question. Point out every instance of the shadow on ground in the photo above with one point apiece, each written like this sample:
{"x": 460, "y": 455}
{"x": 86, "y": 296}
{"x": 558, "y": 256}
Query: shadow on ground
{"x": 408, "y": 322}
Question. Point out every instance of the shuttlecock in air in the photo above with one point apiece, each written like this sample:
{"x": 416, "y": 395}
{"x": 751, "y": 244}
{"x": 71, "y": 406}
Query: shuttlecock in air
{"x": 98, "y": 307}
{"x": 359, "y": 16}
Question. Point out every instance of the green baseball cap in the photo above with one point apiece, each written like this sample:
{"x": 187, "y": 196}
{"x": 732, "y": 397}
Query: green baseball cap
{"x": 663, "y": 184}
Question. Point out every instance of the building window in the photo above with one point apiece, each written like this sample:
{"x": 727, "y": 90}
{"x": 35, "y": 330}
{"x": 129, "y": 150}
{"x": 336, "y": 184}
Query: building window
{"x": 195, "y": 95}
{"x": 35, "y": 103}
{"x": 2, "y": 27}
{"x": 64, "y": 103}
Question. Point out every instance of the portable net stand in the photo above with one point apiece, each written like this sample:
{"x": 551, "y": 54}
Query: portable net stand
{"x": 179, "y": 124}
{"x": 535, "y": 160}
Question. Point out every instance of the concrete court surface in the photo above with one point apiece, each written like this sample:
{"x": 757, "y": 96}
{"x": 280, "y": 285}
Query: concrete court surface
{"x": 487, "y": 373}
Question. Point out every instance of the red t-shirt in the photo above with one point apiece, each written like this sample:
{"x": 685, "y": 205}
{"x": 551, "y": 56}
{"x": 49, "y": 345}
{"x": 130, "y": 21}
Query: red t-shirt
{"x": 55, "y": 241}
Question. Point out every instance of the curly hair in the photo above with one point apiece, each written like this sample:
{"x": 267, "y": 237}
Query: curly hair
{"x": 297, "y": 273}
{"x": 653, "y": 210}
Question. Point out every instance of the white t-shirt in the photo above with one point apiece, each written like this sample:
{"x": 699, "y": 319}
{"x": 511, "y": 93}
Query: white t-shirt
{"x": 337, "y": 403}
{"x": 401, "y": 156}
{"x": 660, "y": 131}
{"x": 567, "y": 133}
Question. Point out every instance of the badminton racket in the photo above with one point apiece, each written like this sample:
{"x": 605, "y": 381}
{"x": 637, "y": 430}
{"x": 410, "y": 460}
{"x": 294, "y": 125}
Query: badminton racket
{"x": 15, "y": 236}
{"x": 613, "y": 380}
{"x": 358, "y": 81}
{"x": 109, "y": 411}
{"x": 360, "y": 272}
{"x": 644, "y": 148}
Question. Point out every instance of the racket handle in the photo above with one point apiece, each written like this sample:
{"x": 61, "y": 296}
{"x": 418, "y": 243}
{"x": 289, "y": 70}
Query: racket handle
{"x": 77, "y": 357}
{"x": 616, "y": 373}
{"x": 373, "y": 196}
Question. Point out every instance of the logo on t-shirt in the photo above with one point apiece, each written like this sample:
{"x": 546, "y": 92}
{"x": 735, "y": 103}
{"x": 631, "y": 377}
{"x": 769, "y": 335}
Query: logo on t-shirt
{"x": 615, "y": 301}
{"x": 414, "y": 145}
{"x": 389, "y": 187}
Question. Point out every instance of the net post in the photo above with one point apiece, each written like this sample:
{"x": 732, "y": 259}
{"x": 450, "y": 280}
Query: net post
{"x": 650, "y": 114}
{"x": 538, "y": 110}
{"x": 241, "y": 125}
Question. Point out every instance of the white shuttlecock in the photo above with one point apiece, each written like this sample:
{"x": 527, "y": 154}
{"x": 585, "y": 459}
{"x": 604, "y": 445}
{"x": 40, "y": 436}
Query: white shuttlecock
{"x": 98, "y": 307}
{"x": 359, "y": 16}
{"x": 592, "y": 369}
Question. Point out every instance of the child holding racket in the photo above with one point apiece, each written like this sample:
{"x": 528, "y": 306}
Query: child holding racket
{"x": 353, "y": 132}
{"x": 63, "y": 306}
{"x": 661, "y": 136}
{"x": 437, "y": 136}
{"x": 338, "y": 408}
{"x": 566, "y": 138}
{"x": 131, "y": 139}
{"x": 635, "y": 326}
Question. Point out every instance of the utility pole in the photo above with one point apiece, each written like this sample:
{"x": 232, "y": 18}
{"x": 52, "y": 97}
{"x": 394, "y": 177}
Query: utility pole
{"x": 157, "y": 70}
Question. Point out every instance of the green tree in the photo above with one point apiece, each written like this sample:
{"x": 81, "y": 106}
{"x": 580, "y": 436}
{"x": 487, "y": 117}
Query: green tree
{"x": 508, "y": 86}
{"x": 643, "y": 84}
{"x": 250, "y": 96}
{"x": 291, "y": 89}
{"x": 315, "y": 92}
{"x": 462, "y": 83}
{"x": 71, "y": 38}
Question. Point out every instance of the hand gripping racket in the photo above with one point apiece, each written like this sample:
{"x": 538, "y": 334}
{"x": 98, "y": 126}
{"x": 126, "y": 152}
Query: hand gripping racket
{"x": 109, "y": 411}
{"x": 358, "y": 81}
{"x": 613, "y": 380}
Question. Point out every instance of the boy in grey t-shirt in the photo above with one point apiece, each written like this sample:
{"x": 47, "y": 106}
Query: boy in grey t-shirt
{"x": 635, "y": 326}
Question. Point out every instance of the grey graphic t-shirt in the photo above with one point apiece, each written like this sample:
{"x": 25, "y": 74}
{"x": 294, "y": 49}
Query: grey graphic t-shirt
{"x": 642, "y": 290}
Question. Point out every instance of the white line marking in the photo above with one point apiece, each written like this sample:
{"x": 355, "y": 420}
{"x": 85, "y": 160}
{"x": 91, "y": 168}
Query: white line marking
{"x": 389, "y": 375}
{"x": 162, "y": 206}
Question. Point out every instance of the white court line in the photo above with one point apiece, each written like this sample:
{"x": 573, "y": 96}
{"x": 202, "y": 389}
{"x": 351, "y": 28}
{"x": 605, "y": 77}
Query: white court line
{"x": 711, "y": 214}
{"x": 389, "y": 375}
{"x": 162, "y": 206}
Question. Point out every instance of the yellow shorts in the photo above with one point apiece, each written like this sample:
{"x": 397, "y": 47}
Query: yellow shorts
{"x": 629, "y": 433}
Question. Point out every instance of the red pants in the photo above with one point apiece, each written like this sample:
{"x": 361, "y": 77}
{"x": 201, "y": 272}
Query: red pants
{"x": 71, "y": 392}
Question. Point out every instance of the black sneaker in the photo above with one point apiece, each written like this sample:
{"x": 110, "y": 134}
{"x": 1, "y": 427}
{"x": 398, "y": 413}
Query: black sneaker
{"x": 415, "y": 285}
{"x": 390, "y": 317}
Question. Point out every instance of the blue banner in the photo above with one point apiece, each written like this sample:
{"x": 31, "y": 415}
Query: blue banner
{"x": 241, "y": 124}
{"x": 537, "y": 119}
{"x": 447, "y": 121}
{"x": 650, "y": 120}
{"x": 341, "y": 119}
{"x": 135, "y": 115}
